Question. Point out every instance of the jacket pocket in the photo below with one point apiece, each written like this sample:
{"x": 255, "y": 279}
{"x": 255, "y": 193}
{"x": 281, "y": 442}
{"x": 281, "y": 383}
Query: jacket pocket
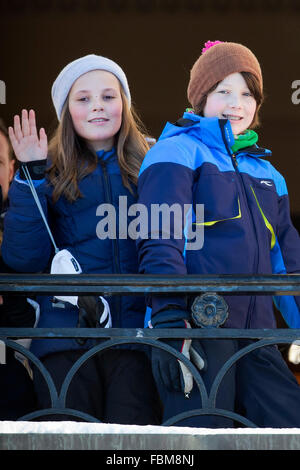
{"x": 219, "y": 195}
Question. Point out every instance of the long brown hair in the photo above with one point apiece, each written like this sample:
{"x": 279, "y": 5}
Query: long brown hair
{"x": 255, "y": 90}
{"x": 72, "y": 159}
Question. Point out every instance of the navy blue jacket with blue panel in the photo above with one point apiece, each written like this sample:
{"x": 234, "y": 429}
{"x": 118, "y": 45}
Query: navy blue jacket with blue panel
{"x": 27, "y": 247}
{"x": 247, "y": 225}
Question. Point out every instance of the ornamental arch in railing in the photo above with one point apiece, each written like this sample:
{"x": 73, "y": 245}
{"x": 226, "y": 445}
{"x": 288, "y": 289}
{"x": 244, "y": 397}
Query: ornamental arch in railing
{"x": 208, "y": 319}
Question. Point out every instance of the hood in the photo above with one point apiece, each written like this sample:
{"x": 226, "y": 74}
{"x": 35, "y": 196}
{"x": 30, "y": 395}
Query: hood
{"x": 213, "y": 132}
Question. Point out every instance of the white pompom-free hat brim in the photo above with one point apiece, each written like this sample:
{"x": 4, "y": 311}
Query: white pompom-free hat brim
{"x": 69, "y": 74}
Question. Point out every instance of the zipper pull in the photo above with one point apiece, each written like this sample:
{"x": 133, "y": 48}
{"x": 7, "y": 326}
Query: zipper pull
{"x": 234, "y": 160}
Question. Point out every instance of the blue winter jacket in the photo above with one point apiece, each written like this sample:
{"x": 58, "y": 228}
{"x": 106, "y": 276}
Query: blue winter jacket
{"x": 247, "y": 226}
{"x": 27, "y": 248}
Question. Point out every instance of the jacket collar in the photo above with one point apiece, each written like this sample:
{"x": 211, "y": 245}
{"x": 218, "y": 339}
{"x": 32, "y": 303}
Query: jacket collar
{"x": 210, "y": 131}
{"x": 105, "y": 154}
{"x": 213, "y": 132}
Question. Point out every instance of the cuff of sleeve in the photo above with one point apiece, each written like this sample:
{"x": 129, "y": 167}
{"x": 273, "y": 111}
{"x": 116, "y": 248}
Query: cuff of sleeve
{"x": 36, "y": 169}
{"x": 35, "y": 182}
{"x": 159, "y": 303}
{"x": 169, "y": 318}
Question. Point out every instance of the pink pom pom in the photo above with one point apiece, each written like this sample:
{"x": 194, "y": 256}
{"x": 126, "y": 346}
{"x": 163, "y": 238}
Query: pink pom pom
{"x": 210, "y": 44}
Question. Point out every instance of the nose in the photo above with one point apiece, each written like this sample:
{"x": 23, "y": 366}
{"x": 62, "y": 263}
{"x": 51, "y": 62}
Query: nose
{"x": 98, "y": 103}
{"x": 235, "y": 101}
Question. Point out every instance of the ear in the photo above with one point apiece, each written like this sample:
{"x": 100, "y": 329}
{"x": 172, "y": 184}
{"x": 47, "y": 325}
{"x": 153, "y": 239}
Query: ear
{"x": 11, "y": 169}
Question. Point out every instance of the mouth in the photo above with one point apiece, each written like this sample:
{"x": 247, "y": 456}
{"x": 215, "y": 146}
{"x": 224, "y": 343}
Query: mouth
{"x": 232, "y": 117}
{"x": 96, "y": 120}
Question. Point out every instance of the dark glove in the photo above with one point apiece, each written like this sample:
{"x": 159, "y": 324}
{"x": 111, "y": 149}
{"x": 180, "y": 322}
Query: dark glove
{"x": 93, "y": 312}
{"x": 168, "y": 369}
{"x": 16, "y": 312}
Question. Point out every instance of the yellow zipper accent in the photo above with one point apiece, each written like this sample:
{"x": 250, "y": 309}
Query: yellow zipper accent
{"x": 267, "y": 223}
{"x": 213, "y": 222}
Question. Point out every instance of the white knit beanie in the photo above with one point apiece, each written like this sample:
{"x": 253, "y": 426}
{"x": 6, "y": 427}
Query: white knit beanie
{"x": 72, "y": 71}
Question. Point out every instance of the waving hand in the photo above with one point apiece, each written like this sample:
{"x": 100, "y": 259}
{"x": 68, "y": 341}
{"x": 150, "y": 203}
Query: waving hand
{"x": 28, "y": 145}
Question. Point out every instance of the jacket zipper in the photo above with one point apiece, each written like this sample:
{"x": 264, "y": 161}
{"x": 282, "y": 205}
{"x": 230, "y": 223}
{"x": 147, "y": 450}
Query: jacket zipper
{"x": 235, "y": 163}
{"x": 235, "y": 166}
{"x": 116, "y": 256}
{"x": 236, "y": 169}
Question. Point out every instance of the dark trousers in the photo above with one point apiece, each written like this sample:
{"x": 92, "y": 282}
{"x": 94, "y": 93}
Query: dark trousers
{"x": 17, "y": 397}
{"x": 259, "y": 386}
{"x": 217, "y": 352}
{"x": 115, "y": 386}
{"x": 267, "y": 392}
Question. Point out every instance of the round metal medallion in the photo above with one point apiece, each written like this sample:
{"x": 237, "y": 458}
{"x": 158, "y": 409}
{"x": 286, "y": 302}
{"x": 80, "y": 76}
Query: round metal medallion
{"x": 209, "y": 310}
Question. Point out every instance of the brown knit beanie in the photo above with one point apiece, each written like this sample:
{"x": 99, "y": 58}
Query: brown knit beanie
{"x": 219, "y": 59}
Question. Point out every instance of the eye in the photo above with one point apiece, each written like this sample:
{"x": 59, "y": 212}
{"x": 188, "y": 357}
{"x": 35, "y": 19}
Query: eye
{"x": 83, "y": 98}
{"x": 108, "y": 97}
{"x": 247, "y": 93}
{"x": 223, "y": 92}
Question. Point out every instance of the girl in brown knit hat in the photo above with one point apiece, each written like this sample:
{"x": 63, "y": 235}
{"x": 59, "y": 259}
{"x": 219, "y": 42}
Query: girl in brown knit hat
{"x": 210, "y": 158}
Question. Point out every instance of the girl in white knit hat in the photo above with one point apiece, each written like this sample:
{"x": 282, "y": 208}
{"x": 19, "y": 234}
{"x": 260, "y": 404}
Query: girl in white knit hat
{"x": 93, "y": 158}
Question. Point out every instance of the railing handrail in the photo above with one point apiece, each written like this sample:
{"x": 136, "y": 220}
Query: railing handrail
{"x": 282, "y": 334}
{"x": 130, "y": 284}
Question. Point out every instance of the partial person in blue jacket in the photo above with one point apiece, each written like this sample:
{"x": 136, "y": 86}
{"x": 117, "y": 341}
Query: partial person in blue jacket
{"x": 17, "y": 397}
{"x": 210, "y": 159}
{"x": 93, "y": 159}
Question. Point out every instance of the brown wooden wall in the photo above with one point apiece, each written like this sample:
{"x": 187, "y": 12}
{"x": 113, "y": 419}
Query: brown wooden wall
{"x": 156, "y": 42}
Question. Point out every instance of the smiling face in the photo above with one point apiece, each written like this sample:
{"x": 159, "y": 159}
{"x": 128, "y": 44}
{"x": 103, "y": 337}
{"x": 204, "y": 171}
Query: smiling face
{"x": 232, "y": 100}
{"x": 95, "y": 106}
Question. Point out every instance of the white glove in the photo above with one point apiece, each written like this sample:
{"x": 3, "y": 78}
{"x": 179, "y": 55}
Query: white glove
{"x": 65, "y": 263}
{"x": 294, "y": 352}
{"x": 26, "y": 342}
{"x": 194, "y": 356}
{"x": 105, "y": 318}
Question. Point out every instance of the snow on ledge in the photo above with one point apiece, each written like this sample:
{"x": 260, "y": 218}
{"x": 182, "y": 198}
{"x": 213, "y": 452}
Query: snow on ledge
{"x": 71, "y": 427}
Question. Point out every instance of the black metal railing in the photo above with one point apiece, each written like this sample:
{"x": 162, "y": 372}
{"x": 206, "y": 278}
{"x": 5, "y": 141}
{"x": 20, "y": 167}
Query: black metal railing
{"x": 110, "y": 285}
